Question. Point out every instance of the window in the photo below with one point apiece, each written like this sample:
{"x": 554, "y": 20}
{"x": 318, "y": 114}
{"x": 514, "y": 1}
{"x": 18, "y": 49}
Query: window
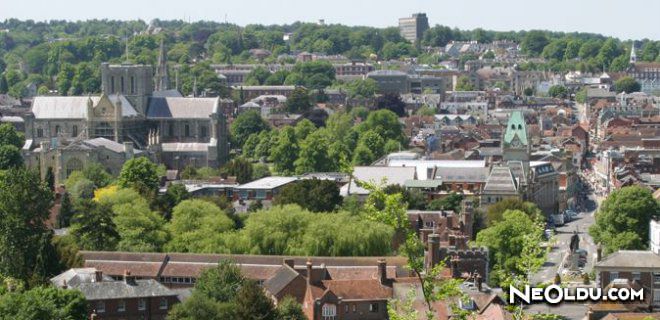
{"x": 354, "y": 308}
{"x": 656, "y": 297}
{"x": 74, "y": 131}
{"x": 170, "y": 130}
{"x": 329, "y": 312}
{"x": 112, "y": 84}
{"x": 121, "y": 85}
{"x": 346, "y": 308}
{"x": 100, "y": 307}
{"x": 614, "y": 276}
{"x": 40, "y": 133}
{"x": 204, "y": 131}
{"x": 132, "y": 84}
{"x": 121, "y": 306}
{"x": 163, "y": 304}
{"x": 186, "y": 130}
{"x": 142, "y": 304}
{"x": 656, "y": 277}
{"x": 636, "y": 276}
{"x": 373, "y": 307}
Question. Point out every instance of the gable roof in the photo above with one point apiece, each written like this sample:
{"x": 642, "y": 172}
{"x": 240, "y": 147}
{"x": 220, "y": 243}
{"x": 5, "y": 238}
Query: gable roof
{"x": 75, "y": 107}
{"x": 500, "y": 181}
{"x": 281, "y": 279}
{"x": 119, "y": 289}
{"x": 634, "y": 259}
{"x": 181, "y": 108}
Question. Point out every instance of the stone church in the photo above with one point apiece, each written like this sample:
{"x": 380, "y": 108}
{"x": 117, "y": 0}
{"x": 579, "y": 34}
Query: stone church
{"x": 135, "y": 115}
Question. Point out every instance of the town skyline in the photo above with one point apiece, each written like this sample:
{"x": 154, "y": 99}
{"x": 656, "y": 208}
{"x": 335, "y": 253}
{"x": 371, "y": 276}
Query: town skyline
{"x": 588, "y": 16}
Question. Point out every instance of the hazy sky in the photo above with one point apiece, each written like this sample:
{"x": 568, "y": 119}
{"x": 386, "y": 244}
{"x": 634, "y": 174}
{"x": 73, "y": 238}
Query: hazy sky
{"x": 629, "y": 19}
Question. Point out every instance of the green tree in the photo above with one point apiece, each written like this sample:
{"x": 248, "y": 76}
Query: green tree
{"x": 373, "y": 141}
{"x": 311, "y": 194}
{"x": 464, "y": 84}
{"x": 623, "y": 218}
{"x": 9, "y": 136}
{"x": 220, "y": 283}
{"x": 82, "y": 189}
{"x": 198, "y": 306}
{"x": 246, "y": 124}
{"x": 385, "y": 123}
{"x": 66, "y": 211}
{"x": 558, "y": 91}
{"x": 139, "y": 228}
{"x": 24, "y": 207}
{"x": 196, "y": 226}
{"x": 252, "y": 303}
{"x": 450, "y": 202}
{"x": 239, "y": 168}
{"x": 496, "y": 211}
{"x": 314, "y": 155}
{"x": 299, "y": 101}
{"x": 140, "y": 174}
{"x": 289, "y": 309}
{"x": 285, "y": 152}
{"x": 257, "y": 76}
{"x": 10, "y": 157}
{"x": 505, "y": 240}
{"x": 43, "y": 303}
{"x": 627, "y": 85}
{"x": 361, "y": 88}
{"x": 533, "y": 42}
{"x": 392, "y": 102}
{"x": 96, "y": 173}
{"x": 363, "y": 156}
{"x": 175, "y": 193}
{"x": 93, "y": 226}
{"x": 50, "y": 178}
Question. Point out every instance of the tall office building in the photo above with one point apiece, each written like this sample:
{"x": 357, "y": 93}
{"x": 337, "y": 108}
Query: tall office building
{"x": 413, "y": 28}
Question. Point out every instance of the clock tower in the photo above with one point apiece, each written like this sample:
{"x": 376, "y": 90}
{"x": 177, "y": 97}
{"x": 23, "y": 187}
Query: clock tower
{"x": 515, "y": 143}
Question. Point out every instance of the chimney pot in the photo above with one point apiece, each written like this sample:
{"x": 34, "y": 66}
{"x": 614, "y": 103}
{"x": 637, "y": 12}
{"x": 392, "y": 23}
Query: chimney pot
{"x": 98, "y": 276}
{"x": 382, "y": 270}
{"x": 309, "y": 272}
{"x": 289, "y": 262}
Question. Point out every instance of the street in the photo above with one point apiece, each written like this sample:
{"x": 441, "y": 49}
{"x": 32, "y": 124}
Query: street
{"x": 558, "y": 254}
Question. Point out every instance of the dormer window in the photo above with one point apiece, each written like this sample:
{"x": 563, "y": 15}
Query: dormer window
{"x": 329, "y": 312}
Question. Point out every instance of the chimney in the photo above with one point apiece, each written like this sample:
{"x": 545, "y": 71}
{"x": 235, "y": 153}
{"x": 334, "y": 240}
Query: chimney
{"x": 64, "y": 286}
{"x": 599, "y": 253}
{"x": 289, "y": 262}
{"x": 98, "y": 276}
{"x": 452, "y": 240}
{"x": 382, "y": 271}
{"x": 309, "y": 272}
{"x": 434, "y": 249}
{"x": 128, "y": 279}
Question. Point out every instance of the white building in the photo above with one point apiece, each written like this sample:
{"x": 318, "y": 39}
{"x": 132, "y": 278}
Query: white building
{"x": 655, "y": 236}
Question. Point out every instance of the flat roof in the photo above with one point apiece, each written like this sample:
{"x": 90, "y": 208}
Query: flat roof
{"x": 267, "y": 183}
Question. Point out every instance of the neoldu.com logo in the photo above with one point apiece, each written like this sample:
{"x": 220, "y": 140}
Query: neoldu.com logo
{"x": 555, "y": 294}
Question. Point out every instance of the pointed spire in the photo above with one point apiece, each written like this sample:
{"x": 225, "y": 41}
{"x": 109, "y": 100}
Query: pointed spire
{"x": 633, "y": 53}
{"x": 162, "y": 79}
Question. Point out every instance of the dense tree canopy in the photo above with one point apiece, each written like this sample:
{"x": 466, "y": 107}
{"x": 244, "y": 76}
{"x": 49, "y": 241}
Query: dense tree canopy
{"x": 246, "y": 124}
{"x": 627, "y": 85}
{"x": 311, "y": 194}
{"x": 623, "y": 219}
{"x": 140, "y": 174}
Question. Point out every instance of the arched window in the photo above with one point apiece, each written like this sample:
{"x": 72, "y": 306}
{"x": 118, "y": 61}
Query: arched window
{"x": 520, "y": 127}
{"x": 329, "y": 312}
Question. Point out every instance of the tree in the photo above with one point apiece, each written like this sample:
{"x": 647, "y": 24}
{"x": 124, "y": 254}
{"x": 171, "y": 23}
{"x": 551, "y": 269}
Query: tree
{"x": 299, "y": 101}
{"x": 285, "y": 152}
{"x": 252, "y": 303}
{"x": 314, "y": 155}
{"x": 50, "y": 178}
{"x": 9, "y": 136}
{"x": 198, "y": 306}
{"x": 257, "y": 76}
{"x": 82, "y": 189}
{"x": 96, "y": 173}
{"x": 451, "y": 202}
{"x": 220, "y": 283}
{"x": 140, "y": 174}
{"x": 311, "y": 194}
{"x": 496, "y": 211}
{"x": 289, "y": 309}
{"x": 627, "y": 85}
{"x": 239, "y": 168}
{"x": 528, "y": 92}
{"x": 247, "y": 123}
{"x": 373, "y": 141}
{"x": 139, "y": 228}
{"x": 464, "y": 84}
{"x": 175, "y": 193}
{"x": 385, "y": 123}
{"x": 533, "y": 42}
{"x": 392, "y": 102}
{"x": 93, "y": 226}
{"x": 623, "y": 218}
{"x": 361, "y": 88}
{"x": 363, "y": 156}
{"x": 43, "y": 303}
{"x": 505, "y": 240}
{"x": 24, "y": 207}
{"x": 558, "y": 91}
{"x": 66, "y": 211}
{"x": 10, "y": 157}
{"x": 196, "y": 226}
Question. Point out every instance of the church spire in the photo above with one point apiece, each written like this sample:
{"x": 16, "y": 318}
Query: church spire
{"x": 633, "y": 54}
{"x": 162, "y": 80}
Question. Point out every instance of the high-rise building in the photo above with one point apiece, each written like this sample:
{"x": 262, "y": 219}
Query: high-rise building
{"x": 413, "y": 28}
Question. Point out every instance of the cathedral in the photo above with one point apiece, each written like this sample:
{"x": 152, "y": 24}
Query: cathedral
{"x": 135, "y": 115}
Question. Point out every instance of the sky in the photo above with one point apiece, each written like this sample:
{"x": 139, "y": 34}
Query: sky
{"x": 630, "y": 19}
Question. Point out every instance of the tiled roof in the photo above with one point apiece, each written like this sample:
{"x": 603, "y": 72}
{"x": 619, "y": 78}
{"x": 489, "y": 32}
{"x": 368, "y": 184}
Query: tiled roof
{"x": 358, "y": 289}
{"x": 630, "y": 259}
{"x": 500, "y": 181}
{"x": 46, "y": 107}
{"x": 105, "y": 290}
{"x": 281, "y": 279}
